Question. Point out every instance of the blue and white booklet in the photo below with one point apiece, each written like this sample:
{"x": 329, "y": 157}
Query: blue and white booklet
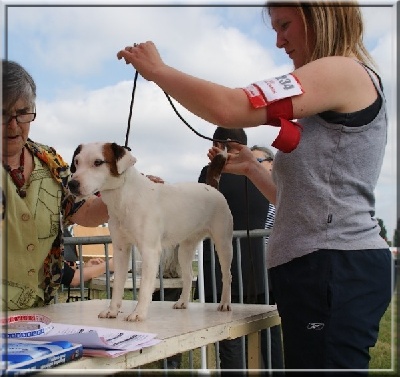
{"x": 96, "y": 341}
{"x": 22, "y": 356}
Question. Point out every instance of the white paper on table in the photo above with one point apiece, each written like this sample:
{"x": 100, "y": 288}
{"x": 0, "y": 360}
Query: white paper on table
{"x": 115, "y": 353}
{"x": 100, "y": 340}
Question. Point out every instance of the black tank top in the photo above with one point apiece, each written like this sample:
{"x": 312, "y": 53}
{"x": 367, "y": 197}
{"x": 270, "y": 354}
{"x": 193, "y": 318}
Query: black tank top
{"x": 358, "y": 118}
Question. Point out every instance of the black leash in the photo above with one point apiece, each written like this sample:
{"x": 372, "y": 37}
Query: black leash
{"x": 176, "y": 112}
{"x": 131, "y": 109}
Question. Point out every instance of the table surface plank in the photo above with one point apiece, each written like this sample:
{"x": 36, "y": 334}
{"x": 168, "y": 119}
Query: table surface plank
{"x": 180, "y": 329}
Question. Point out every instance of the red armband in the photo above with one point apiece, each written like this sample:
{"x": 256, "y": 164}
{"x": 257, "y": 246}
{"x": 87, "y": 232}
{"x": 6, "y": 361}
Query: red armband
{"x": 280, "y": 113}
{"x": 276, "y": 94}
{"x": 263, "y": 93}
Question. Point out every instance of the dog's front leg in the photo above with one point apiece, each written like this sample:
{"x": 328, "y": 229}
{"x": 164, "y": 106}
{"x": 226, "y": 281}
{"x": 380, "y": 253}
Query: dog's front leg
{"x": 150, "y": 264}
{"x": 121, "y": 266}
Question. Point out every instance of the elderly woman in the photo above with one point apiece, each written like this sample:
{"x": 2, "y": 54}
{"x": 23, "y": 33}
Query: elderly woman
{"x": 36, "y": 202}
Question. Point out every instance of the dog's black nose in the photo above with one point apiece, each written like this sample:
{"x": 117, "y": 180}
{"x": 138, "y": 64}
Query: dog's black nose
{"x": 73, "y": 186}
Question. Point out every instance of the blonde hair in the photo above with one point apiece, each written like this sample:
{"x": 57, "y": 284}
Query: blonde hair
{"x": 338, "y": 28}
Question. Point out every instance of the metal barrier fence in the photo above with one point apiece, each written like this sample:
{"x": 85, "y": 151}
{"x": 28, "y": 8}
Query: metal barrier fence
{"x": 237, "y": 236}
{"x": 106, "y": 241}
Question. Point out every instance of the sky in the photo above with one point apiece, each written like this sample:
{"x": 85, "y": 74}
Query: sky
{"x": 84, "y": 91}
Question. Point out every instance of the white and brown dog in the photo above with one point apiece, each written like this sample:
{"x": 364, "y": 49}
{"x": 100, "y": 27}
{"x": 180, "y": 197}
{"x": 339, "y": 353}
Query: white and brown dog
{"x": 152, "y": 216}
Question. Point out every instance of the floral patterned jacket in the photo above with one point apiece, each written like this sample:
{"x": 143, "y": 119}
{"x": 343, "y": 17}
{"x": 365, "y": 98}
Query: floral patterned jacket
{"x": 53, "y": 264}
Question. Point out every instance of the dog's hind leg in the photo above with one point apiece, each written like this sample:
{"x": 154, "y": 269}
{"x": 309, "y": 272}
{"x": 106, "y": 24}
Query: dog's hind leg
{"x": 121, "y": 266}
{"x": 186, "y": 254}
{"x": 150, "y": 263}
{"x": 223, "y": 246}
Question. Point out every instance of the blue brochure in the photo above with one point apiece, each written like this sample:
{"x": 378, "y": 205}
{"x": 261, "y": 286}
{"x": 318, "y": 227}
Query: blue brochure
{"x": 22, "y": 356}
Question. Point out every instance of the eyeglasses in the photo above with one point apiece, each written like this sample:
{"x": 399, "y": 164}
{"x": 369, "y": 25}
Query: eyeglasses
{"x": 269, "y": 159}
{"x": 20, "y": 118}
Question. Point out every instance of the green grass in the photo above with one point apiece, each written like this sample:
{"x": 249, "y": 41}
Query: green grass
{"x": 383, "y": 354}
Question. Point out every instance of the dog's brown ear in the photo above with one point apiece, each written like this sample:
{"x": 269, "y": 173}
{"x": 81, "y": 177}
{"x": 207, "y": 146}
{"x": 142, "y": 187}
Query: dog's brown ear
{"x": 214, "y": 169}
{"x": 123, "y": 158}
{"x": 77, "y": 151}
{"x": 117, "y": 150}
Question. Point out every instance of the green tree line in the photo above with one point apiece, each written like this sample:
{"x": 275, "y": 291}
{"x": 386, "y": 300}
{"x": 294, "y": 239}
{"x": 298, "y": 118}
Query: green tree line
{"x": 396, "y": 236}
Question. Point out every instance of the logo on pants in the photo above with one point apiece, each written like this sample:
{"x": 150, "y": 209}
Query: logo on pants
{"x": 315, "y": 326}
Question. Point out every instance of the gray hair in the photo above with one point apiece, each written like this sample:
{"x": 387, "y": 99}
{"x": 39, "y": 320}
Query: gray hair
{"x": 268, "y": 152}
{"x": 17, "y": 85}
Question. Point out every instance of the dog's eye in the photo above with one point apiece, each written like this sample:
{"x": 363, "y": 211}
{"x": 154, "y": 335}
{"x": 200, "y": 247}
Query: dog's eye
{"x": 98, "y": 162}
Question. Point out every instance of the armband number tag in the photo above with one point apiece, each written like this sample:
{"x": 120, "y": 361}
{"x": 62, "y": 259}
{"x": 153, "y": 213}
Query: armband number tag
{"x": 262, "y": 93}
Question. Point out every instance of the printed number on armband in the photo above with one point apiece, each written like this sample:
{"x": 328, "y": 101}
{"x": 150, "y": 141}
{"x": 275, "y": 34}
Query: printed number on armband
{"x": 262, "y": 93}
{"x": 285, "y": 82}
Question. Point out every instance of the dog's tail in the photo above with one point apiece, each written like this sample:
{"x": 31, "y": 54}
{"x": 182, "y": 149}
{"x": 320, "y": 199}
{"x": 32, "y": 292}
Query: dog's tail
{"x": 214, "y": 169}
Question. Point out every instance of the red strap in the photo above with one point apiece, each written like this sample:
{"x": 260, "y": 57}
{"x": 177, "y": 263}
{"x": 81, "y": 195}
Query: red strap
{"x": 289, "y": 136}
{"x": 279, "y": 114}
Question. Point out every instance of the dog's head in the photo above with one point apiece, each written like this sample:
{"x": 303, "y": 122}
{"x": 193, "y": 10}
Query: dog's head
{"x": 97, "y": 167}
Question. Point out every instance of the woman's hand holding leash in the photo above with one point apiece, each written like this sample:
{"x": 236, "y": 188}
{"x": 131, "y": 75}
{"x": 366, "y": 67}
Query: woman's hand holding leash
{"x": 144, "y": 57}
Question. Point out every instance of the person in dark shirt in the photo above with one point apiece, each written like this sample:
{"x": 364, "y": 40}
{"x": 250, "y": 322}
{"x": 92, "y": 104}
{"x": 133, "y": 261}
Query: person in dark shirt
{"x": 249, "y": 210}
